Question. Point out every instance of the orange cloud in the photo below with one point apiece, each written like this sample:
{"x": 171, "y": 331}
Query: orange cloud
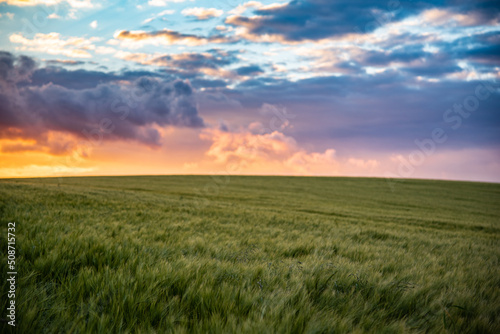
{"x": 313, "y": 163}
{"x": 167, "y": 37}
{"x": 52, "y": 143}
{"x": 55, "y": 154}
{"x": 108, "y": 158}
{"x": 248, "y": 152}
{"x": 43, "y": 171}
{"x": 247, "y": 148}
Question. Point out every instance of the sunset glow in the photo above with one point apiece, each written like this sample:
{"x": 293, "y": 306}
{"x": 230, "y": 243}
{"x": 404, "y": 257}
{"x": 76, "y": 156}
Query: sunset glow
{"x": 399, "y": 89}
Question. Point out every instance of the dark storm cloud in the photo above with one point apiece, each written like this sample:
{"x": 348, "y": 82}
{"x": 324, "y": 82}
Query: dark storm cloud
{"x": 317, "y": 19}
{"x": 387, "y": 111}
{"x": 58, "y": 62}
{"x": 314, "y": 19}
{"x": 403, "y": 55}
{"x": 122, "y": 111}
{"x": 414, "y": 61}
{"x": 432, "y": 70}
{"x": 207, "y": 83}
{"x": 194, "y": 61}
{"x": 486, "y": 53}
{"x": 188, "y": 65}
{"x": 481, "y": 50}
{"x": 249, "y": 70}
{"x": 482, "y": 47}
{"x": 77, "y": 79}
{"x": 14, "y": 70}
{"x": 485, "y": 11}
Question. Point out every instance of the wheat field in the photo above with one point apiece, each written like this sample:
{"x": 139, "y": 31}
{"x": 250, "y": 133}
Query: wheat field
{"x": 248, "y": 254}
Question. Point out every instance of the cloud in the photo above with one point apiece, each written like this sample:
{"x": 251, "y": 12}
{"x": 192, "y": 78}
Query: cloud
{"x": 160, "y": 14}
{"x": 249, "y": 70}
{"x": 248, "y": 150}
{"x": 412, "y": 59}
{"x": 10, "y": 16}
{"x": 183, "y": 61}
{"x": 380, "y": 112}
{"x": 486, "y": 48}
{"x": 166, "y": 37}
{"x": 56, "y": 62}
{"x": 163, "y": 3}
{"x": 316, "y": 20}
{"x": 93, "y": 24}
{"x": 441, "y": 17}
{"x": 41, "y": 171}
{"x": 14, "y": 70}
{"x": 72, "y": 3}
{"x": 190, "y": 65}
{"x": 53, "y": 143}
{"x": 368, "y": 164}
{"x": 412, "y": 51}
{"x": 105, "y": 50}
{"x": 116, "y": 110}
{"x": 240, "y": 9}
{"x": 202, "y": 13}
{"x": 52, "y": 43}
{"x": 313, "y": 163}
{"x": 305, "y": 20}
{"x": 81, "y": 78}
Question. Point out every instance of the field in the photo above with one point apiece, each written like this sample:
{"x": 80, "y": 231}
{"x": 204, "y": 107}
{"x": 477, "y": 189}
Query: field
{"x": 252, "y": 254}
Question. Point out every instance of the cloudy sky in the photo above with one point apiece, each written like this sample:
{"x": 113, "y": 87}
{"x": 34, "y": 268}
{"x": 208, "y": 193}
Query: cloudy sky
{"x": 307, "y": 87}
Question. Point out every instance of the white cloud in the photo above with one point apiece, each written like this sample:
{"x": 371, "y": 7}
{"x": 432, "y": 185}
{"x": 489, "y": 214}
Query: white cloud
{"x": 93, "y": 24}
{"x": 72, "y": 3}
{"x": 166, "y": 12}
{"x": 202, "y": 13}
{"x": 72, "y": 14}
{"x": 254, "y": 4}
{"x": 52, "y": 43}
{"x": 160, "y": 14}
{"x": 9, "y": 15}
{"x": 163, "y": 3}
{"x": 105, "y": 50}
{"x": 242, "y": 8}
{"x": 157, "y": 3}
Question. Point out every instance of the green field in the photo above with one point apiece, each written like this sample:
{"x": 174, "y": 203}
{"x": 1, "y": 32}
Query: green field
{"x": 159, "y": 254}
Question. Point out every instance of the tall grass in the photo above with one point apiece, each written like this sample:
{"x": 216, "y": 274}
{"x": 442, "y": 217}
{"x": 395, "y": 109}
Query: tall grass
{"x": 266, "y": 255}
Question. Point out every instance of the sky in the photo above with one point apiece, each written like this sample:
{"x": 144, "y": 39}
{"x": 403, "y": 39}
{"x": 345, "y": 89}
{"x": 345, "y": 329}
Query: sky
{"x": 394, "y": 89}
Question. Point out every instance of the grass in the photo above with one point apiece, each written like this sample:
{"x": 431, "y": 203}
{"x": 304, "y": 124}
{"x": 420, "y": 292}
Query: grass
{"x": 159, "y": 254}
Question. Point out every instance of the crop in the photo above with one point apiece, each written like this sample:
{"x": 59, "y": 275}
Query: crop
{"x": 158, "y": 254}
